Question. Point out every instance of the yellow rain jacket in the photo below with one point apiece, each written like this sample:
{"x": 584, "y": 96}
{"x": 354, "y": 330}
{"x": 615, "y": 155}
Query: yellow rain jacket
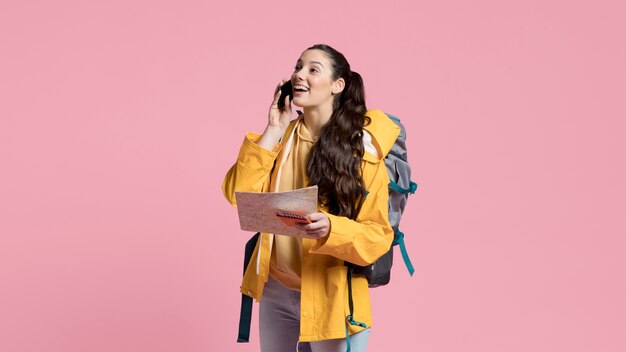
{"x": 324, "y": 290}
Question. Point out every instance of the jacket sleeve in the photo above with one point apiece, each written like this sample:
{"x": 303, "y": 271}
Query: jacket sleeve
{"x": 252, "y": 170}
{"x": 365, "y": 240}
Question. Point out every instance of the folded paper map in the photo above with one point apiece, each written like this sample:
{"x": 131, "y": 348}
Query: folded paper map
{"x": 259, "y": 212}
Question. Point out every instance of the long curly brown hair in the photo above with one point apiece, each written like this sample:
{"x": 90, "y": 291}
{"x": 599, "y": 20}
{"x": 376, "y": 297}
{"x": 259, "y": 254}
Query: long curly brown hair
{"x": 335, "y": 163}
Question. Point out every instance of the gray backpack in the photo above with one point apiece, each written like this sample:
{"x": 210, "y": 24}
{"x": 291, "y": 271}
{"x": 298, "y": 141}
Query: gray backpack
{"x": 400, "y": 186}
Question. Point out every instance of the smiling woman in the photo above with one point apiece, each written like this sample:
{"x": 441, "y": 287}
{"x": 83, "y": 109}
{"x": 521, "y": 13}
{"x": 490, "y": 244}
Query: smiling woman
{"x": 338, "y": 145}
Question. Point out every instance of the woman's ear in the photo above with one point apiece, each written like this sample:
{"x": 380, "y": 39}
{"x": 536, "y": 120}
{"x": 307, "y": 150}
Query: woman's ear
{"x": 338, "y": 86}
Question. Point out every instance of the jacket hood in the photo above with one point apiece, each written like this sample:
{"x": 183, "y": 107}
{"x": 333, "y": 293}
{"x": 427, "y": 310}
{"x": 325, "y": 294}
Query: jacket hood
{"x": 384, "y": 133}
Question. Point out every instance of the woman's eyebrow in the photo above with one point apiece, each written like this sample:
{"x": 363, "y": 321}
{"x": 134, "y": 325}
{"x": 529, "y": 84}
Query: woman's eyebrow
{"x": 299, "y": 62}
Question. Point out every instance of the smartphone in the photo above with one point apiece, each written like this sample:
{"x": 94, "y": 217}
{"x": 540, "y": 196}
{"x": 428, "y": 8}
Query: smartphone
{"x": 285, "y": 90}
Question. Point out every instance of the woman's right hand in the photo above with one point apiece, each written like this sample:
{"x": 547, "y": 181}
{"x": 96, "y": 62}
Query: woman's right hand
{"x": 279, "y": 118}
{"x": 277, "y": 121}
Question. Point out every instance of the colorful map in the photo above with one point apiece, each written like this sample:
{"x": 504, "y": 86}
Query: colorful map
{"x": 257, "y": 211}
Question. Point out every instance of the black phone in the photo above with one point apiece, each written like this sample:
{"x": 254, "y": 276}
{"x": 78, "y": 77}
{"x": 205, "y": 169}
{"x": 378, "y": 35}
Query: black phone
{"x": 285, "y": 90}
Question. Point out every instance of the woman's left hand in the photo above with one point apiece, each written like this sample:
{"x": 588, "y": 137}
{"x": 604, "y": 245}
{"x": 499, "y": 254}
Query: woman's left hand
{"x": 318, "y": 228}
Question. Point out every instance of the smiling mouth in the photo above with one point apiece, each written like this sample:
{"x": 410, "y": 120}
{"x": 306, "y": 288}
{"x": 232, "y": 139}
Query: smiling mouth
{"x": 300, "y": 88}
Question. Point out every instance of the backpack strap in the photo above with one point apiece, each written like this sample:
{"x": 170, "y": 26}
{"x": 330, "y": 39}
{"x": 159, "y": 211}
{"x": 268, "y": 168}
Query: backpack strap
{"x": 398, "y": 236}
{"x": 350, "y": 318}
{"x": 411, "y": 190}
{"x": 245, "y": 318}
{"x": 245, "y": 314}
{"x": 398, "y": 239}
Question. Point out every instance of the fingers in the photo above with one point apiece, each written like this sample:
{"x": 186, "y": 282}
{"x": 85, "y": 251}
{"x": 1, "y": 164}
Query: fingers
{"x": 317, "y": 216}
{"x": 277, "y": 94}
{"x": 287, "y": 107}
{"x": 319, "y": 226}
{"x": 277, "y": 91}
{"x": 315, "y": 234}
{"x": 314, "y": 225}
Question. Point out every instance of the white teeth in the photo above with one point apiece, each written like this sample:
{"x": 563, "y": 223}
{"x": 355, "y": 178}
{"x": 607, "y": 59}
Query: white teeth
{"x": 299, "y": 87}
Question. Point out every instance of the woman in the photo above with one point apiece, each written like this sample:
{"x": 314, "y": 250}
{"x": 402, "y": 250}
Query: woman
{"x": 339, "y": 146}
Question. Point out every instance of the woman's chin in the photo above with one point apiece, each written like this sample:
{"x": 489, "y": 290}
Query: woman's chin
{"x": 299, "y": 102}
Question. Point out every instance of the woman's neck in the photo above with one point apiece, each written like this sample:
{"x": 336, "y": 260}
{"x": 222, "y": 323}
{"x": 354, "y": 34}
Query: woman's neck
{"x": 315, "y": 118}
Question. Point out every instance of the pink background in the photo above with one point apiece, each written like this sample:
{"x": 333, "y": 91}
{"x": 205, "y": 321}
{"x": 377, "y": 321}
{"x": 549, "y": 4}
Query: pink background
{"x": 118, "y": 121}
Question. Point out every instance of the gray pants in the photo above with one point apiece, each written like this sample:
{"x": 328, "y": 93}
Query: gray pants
{"x": 279, "y": 325}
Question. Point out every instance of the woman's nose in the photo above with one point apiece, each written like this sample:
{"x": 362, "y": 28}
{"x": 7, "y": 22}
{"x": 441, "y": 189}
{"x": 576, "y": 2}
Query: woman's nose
{"x": 299, "y": 76}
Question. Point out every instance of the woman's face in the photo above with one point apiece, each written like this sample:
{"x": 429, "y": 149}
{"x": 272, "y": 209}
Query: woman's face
{"x": 312, "y": 80}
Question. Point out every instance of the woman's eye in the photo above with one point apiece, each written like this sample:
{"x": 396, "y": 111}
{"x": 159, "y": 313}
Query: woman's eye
{"x": 314, "y": 70}
{"x": 297, "y": 68}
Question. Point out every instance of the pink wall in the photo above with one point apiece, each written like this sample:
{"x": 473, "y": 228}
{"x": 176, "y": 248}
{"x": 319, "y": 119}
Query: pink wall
{"x": 118, "y": 121}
